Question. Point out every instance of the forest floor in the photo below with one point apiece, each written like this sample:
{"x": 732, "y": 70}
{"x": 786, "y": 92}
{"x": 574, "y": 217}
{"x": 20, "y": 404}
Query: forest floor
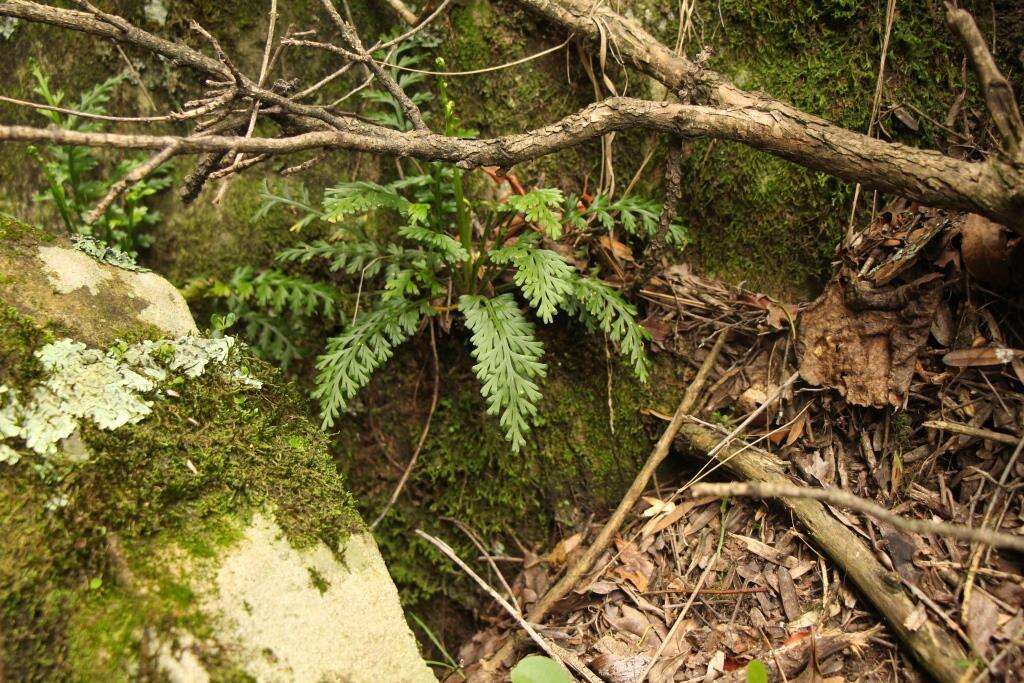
{"x": 694, "y": 588}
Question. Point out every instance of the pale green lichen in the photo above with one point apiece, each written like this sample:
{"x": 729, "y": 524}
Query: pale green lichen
{"x": 108, "y": 388}
{"x": 104, "y": 253}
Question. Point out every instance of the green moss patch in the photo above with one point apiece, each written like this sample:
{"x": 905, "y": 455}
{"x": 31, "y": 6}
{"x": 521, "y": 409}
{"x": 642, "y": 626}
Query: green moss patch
{"x": 571, "y": 466}
{"x": 184, "y": 478}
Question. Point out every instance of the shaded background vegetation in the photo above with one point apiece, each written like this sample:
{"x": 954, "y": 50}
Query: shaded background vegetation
{"x": 754, "y": 218}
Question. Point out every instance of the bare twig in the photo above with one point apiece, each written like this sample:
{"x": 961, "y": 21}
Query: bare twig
{"x": 968, "y": 430}
{"x": 846, "y": 499}
{"x": 991, "y": 188}
{"x": 350, "y": 36}
{"x": 581, "y": 566}
{"x": 556, "y": 652}
{"x": 940, "y": 655}
{"x": 134, "y": 176}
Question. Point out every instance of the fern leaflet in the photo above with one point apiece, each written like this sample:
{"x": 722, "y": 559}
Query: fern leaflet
{"x": 538, "y": 206}
{"x": 598, "y": 304}
{"x": 351, "y": 357}
{"x": 508, "y": 360}
{"x": 542, "y": 275}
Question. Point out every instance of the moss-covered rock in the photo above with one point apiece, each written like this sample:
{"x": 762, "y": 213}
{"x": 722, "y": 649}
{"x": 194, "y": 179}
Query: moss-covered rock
{"x": 175, "y": 535}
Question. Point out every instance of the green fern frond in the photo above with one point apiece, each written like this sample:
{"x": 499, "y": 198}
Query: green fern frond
{"x": 353, "y": 198}
{"x": 538, "y": 206}
{"x": 350, "y": 256}
{"x": 278, "y": 292}
{"x": 598, "y": 304}
{"x": 351, "y": 357}
{"x": 446, "y": 245}
{"x": 508, "y": 360}
{"x": 541, "y": 274}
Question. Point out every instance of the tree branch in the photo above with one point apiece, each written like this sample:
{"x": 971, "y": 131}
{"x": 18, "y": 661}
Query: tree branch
{"x": 997, "y": 90}
{"x": 846, "y": 499}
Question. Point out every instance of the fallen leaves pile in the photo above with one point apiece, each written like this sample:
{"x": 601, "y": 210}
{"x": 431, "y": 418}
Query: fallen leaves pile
{"x": 910, "y": 396}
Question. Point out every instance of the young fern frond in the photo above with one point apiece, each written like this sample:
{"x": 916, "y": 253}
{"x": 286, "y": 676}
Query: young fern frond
{"x": 351, "y": 357}
{"x": 447, "y": 246}
{"x": 346, "y": 199}
{"x": 541, "y": 274}
{"x": 539, "y": 207}
{"x": 279, "y": 292}
{"x": 508, "y": 360}
{"x": 599, "y": 305}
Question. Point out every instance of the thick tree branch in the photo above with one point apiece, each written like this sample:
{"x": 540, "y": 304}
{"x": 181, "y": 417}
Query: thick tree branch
{"x": 989, "y": 188}
{"x": 993, "y": 188}
{"x": 997, "y": 90}
{"x": 692, "y": 82}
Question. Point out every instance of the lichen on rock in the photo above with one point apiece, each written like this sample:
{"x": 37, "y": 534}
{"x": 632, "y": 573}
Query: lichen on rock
{"x": 110, "y": 388}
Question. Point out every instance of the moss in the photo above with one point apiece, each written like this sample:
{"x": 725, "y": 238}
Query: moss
{"x": 572, "y": 465}
{"x": 760, "y": 219}
{"x": 183, "y": 478}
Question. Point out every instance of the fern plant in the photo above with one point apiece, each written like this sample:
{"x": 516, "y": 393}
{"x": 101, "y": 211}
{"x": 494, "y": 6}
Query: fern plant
{"x": 417, "y": 248}
{"x": 73, "y": 182}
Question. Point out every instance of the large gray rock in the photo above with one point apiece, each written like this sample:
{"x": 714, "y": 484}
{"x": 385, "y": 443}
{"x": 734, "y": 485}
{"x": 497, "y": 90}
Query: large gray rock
{"x": 196, "y": 530}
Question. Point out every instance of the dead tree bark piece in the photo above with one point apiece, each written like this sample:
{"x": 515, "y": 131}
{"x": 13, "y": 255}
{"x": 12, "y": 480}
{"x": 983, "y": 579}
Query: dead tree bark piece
{"x": 937, "y": 652}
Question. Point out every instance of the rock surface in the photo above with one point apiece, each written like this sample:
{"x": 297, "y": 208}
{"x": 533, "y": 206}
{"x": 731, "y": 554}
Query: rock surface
{"x": 212, "y": 540}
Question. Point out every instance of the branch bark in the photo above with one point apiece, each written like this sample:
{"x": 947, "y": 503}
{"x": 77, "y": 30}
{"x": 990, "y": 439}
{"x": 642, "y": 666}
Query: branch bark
{"x": 992, "y": 188}
{"x": 997, "y": 90}
{"x": 805, "y": 135}
{"x": 939, "y": 654}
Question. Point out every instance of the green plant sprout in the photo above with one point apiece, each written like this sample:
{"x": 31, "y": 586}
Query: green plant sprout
{"x": 417, "y": 248}
{"x": 73, "y": 183}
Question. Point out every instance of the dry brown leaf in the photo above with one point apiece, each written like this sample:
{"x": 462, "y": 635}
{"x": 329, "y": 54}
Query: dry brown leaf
{"x": 982, "y": 356}
{"x": 916, "y": 619}
{"x": 982, "y": 620}
{"x": 865, "y": 343}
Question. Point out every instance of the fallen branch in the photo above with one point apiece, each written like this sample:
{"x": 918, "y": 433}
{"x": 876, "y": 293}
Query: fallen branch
{"x": 556, "y": 652}
{"x": 993, "y": 188}
{"x": 998, "y": 93}
{"x": 846, "y": 499}
{"x": 692, "y": 82}
{"x": 968, "y": 430}
{"x": 937, "y": 652}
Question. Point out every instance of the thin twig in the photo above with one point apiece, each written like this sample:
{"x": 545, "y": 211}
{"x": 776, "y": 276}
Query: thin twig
{"x": 581, "y": 566}
{"x": 846, "y": 499}
{"x": 559, "y": 654}
{"x": 134, "y": 176}
{"x": 968, "y": 430}
{"x": 423, "y": 434}
{"x": 350, "y": 36}
{"x": 272, "y": 25}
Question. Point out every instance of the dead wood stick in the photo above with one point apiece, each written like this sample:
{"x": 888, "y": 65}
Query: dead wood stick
{"x": 403, "y": 11}
{"x": 556, "y": 652}
{"x": 846, "y": 499}
{"x": 578, "y": 569}
{"x": 937, "y": 652}
{"x": 968, "y": 430}
{"x": 998, "y": 93}
{"x": 658, "y": 246}
{"x": 134, "y": 176}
